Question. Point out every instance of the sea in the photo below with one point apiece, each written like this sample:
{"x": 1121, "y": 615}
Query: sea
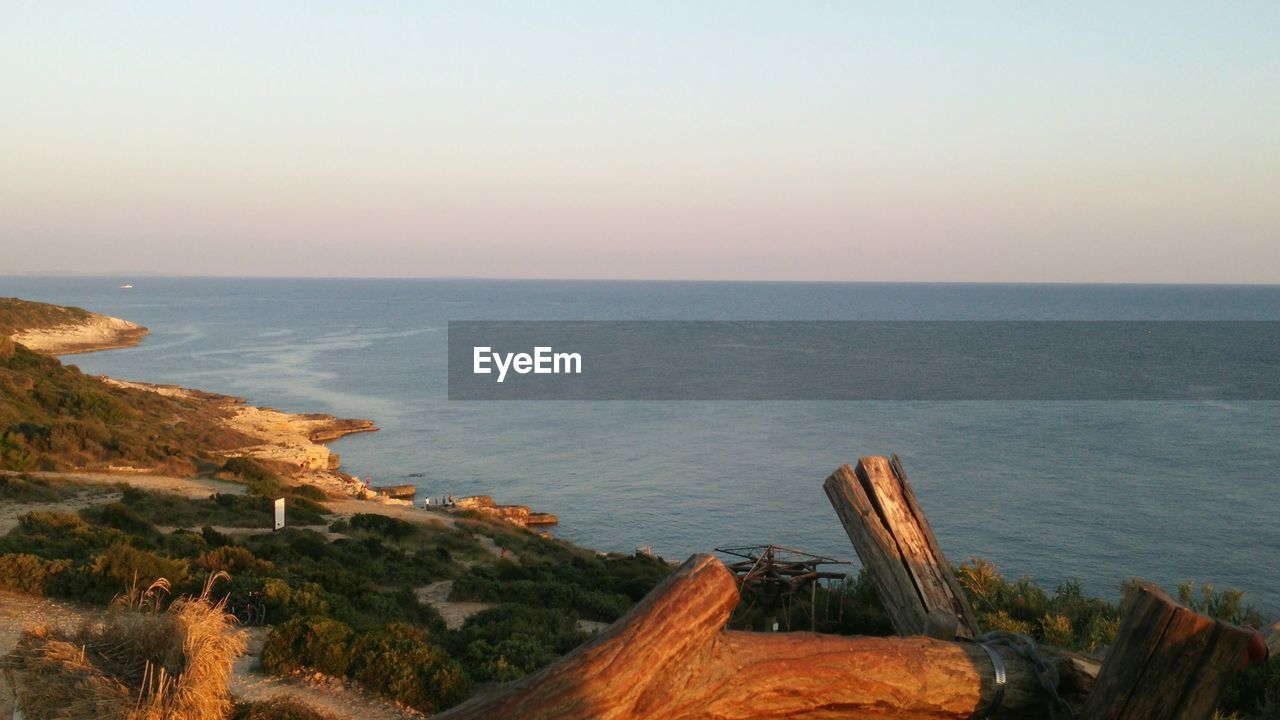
{"x": 1095, "y": 491}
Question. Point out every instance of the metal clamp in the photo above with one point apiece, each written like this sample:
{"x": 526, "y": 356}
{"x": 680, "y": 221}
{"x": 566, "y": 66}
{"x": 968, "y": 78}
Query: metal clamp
{"x": 997, "y": 664}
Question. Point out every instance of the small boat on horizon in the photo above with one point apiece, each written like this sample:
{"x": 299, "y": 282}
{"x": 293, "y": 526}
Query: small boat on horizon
{"x": 126, "y": 287}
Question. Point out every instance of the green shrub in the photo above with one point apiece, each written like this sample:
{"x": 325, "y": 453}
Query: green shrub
{"x": 30, "y": 489}
{"x": 508, "y": 641}
{"x": 553, "y": 575}
{"x": 398, "y": 661}
{"x": 227, "y": 509}
{"x": 126, "y": 565}
{"x": 285, "y": 601}
{"x": 587, "y": 590}
{"x": 233, "y": 560}
{"x": 29, "y": 573}
{"x": 308, "y": 492}
{"x": 261, "y": 481}
{"x": 121, "y": 517}
{"x": 313, "y": 642}
{"x": 385, "y": 525}
{"x": 55, "y": 535}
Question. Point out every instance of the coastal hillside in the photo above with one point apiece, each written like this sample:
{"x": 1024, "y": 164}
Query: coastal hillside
{"x": 62, "y": 330}
{"x": 54, "y": 417}
{"x": 380, "y": 610}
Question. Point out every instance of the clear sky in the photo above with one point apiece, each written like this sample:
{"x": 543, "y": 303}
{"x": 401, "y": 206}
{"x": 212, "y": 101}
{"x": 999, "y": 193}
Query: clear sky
{"x": 968, "y": 141}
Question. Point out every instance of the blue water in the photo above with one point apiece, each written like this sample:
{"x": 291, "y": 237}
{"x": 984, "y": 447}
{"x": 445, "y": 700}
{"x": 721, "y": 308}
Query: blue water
{"x": 1095, "y": 491}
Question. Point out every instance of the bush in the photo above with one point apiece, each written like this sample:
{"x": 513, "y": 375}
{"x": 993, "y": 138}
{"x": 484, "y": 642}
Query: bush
{"x": 308, "y": 492}
{"x": 285, "y": 601}
{"x": 28, "y": 573}
{"x": 30, "y": 489}
{"x": 54, "y": 535}
{"x": 233, "y": 560}
{"x": 1068, "y": 619}
{"x": 509, "y": 641}
{"x": 128, "y": 565}
{"x": 384, "y": 525}
{"x": 261, "y": 481}
{"x": 399, "y": 662}
{"x": 121, "y": 517}
{"x": 542, "y": 585}
{"x": 314, "y": 642}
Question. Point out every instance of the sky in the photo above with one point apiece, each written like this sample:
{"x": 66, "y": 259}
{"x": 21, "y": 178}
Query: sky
{"x": 897, "y": 141}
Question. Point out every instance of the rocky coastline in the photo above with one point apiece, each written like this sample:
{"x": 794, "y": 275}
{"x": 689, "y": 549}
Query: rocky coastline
{"x": 95, "y": 332}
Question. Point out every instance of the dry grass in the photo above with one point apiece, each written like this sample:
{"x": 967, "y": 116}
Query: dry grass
{"x": 139, "y": 663}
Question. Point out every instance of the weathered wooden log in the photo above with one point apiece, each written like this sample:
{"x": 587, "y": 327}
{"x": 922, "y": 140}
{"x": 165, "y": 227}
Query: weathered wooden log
{"x": 893, "y": 539}
{"x": 671, "y": 658}
{"x": 1168, "y": 662}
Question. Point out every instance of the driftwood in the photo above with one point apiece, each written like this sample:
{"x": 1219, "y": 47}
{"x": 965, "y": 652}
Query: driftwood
{"x": 897, "y": 547}
{"x": 671, "y": 658}
{"x": 1168, "y": 662}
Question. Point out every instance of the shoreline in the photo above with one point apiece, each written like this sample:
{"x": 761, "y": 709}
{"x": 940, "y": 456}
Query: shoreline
{"x": 292, "y": 443}
{"x": 97, "y": 332}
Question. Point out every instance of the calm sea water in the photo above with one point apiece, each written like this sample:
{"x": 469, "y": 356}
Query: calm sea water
{"x": 1095, "y": 491}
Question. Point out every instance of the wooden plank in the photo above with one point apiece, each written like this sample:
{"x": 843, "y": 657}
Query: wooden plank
{"x": 876, "y": 547}
{"x": 1216, "y": 668}
{"x": 1168, "y": 662}
{"x": 1140, "y": 630}
{"x": 671, "y": 658}
{"x": 891, "y": 535}
{"x": 1187, "y": 637}
{"x": 960, "y": 603}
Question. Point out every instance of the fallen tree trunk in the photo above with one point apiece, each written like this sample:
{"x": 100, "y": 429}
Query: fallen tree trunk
{"x": 671, "y": 658}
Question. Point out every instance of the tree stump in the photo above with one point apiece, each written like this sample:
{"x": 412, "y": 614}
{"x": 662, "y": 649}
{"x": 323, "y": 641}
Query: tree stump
{"x": 671, "y": 658}
{"x": 1168, "y": 662}
{"x": 893, "y": 539}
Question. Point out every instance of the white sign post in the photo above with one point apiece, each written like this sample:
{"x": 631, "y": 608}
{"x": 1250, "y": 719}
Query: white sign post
{"x": 279, "y": 524}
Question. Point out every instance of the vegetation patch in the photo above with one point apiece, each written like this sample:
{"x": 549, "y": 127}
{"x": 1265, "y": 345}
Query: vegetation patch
{"x": 593, "y": 587}
{"x": 224, "y": 509}
{"x": 31, "y": 489}
{"x": 509, "y": 641}
{"x": 395, "y": 660}
{"x": 173, "y": 664}
{"x": 53, "y": 417}
{"x": 17, "y": 315}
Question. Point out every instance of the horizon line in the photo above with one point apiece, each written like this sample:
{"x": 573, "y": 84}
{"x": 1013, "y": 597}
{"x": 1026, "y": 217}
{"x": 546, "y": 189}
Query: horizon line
{"x": 755, "y": 281}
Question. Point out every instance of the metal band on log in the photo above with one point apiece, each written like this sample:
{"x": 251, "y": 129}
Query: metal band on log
{"x": 1168, "y": 662}
{"x": 897, "y": 547}
{"x": 671, "y": 658}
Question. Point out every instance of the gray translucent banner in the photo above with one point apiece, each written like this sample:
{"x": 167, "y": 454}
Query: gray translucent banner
{"x": 998, "y": 360}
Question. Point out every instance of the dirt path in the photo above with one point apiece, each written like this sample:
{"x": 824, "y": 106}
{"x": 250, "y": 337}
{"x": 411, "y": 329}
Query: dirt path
{"x": 18, "y": 612}
{"x": 99, "y": 488}
{"x": 455, "y": 613}
{"x": 184, "y": 486}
